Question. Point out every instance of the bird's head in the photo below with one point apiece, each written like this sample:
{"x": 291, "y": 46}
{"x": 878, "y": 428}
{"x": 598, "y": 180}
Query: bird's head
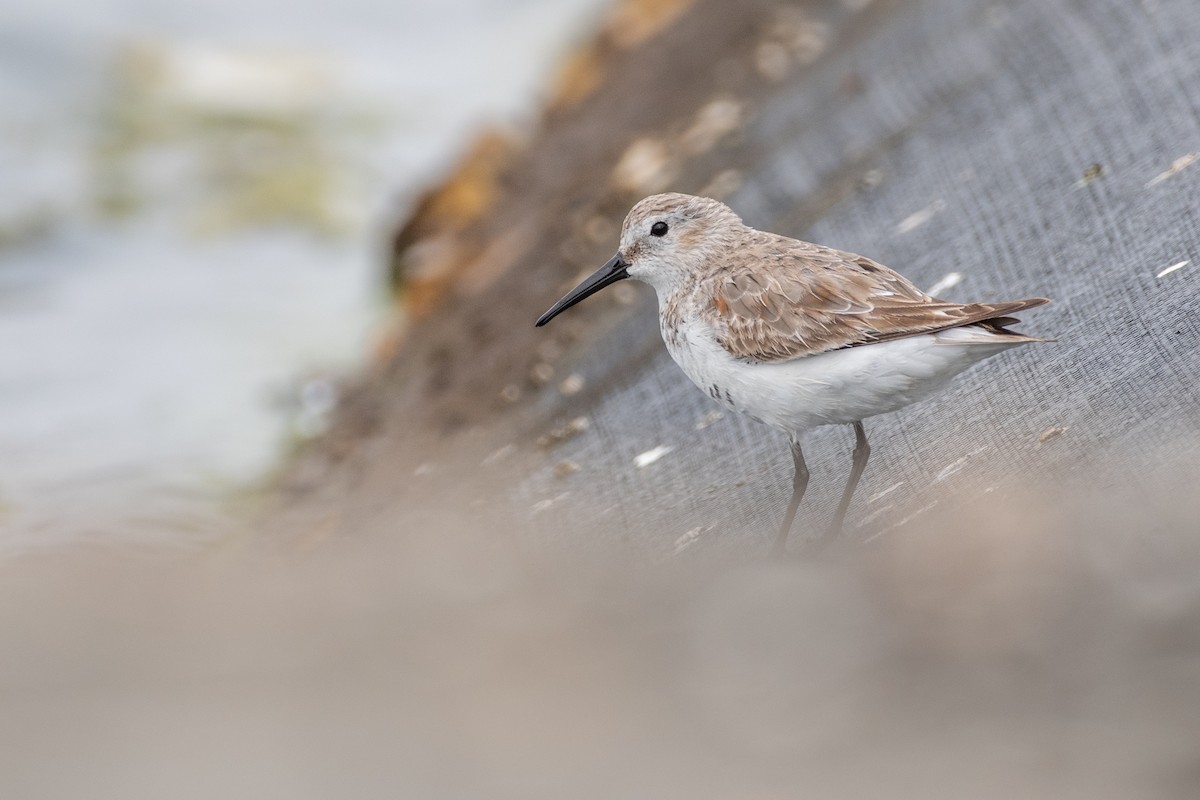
{"x": 666, "y": 239}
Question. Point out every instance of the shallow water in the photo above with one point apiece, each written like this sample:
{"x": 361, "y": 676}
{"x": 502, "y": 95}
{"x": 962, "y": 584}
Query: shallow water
{"x": 193, "y": 213}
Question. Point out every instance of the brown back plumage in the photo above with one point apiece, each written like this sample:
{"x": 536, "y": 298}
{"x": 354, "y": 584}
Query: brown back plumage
{"x": 796, "y": 299}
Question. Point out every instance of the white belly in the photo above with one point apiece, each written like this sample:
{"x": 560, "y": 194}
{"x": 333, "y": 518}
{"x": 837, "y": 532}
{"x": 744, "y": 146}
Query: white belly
{"x": 841, "y": 386}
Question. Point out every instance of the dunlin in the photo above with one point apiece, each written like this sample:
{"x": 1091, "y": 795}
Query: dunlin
{"x": 792, "y": 334}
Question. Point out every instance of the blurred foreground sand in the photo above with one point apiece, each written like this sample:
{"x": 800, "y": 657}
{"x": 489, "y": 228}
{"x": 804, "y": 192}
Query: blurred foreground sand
{"x": 1027, "y": 651}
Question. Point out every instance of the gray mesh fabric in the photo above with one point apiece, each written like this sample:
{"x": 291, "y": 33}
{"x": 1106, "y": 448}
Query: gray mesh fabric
{"x": 1036, "y": 148}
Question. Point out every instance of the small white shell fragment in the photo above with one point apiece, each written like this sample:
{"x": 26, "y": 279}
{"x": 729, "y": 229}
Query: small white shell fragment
{"x": 919, "y": 218}
{"x": 1052, "y": 432}
{"x": 1090, "y": 175}
{"x": 543, "y": 505}
{"x": 571, "y": 385}
{"x": 563, "y": 432}
{"x": 951, "y": 469}
{"x": 869, "y": 518}
{"x": 646, "y": 166}
{"x": 1177, "y": 166}
{"x": 948, "y": 281}
{"x": 715, "y": 121}
{"x": 498, "y": 455}
{"x": 643, "y": 460}
{"x": 1172, "y": 268}
{"x": 875, "y": 498}
{"x": 565, "y": 469}
{"x": 687, "y": 540}
{"x": 954, "y": 468}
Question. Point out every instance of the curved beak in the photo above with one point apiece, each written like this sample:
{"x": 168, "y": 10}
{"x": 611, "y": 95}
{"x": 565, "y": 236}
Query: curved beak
{"x": 613, "y": 270}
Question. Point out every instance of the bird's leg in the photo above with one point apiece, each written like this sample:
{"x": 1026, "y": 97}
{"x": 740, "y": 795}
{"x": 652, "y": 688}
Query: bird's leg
{"x": 862, "y": 451}
{"x": 799, "y": 484}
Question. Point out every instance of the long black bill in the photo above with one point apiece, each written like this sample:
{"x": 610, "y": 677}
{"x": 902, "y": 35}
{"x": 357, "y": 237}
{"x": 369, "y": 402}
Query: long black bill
{"x": 614, "y": 270}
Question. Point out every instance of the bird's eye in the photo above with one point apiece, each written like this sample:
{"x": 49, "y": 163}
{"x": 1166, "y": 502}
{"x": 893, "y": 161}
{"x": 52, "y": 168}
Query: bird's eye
{"x": 658, "y": 229}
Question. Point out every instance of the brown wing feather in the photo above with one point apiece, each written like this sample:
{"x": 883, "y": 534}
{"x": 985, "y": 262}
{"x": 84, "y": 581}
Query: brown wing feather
{"x": 803, "y": 299}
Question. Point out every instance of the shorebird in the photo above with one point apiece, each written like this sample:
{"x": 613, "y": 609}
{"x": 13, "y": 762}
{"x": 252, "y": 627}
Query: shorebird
{"x": 792, "y": 334}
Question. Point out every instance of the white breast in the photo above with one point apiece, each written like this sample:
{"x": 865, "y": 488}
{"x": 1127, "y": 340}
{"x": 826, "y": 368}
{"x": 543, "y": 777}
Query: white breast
{"x": 840, "y": 386}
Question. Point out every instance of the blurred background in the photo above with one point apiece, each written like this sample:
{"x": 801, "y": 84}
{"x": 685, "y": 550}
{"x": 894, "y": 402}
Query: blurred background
{"x": 296, "y": 502}
{"x": 195, "y": 212}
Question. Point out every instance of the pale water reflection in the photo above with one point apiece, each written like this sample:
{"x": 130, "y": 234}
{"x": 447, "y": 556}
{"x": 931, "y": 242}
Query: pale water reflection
{"x": 193, "y": 208}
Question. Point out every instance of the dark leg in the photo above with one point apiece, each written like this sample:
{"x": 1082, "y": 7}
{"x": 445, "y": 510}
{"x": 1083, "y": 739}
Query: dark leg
{"x": 862, "y": 451}
{"x": 799, "y": 484}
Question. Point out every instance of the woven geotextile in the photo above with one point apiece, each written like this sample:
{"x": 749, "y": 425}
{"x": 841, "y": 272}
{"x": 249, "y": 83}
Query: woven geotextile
{"x": 1002, "y": 151}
